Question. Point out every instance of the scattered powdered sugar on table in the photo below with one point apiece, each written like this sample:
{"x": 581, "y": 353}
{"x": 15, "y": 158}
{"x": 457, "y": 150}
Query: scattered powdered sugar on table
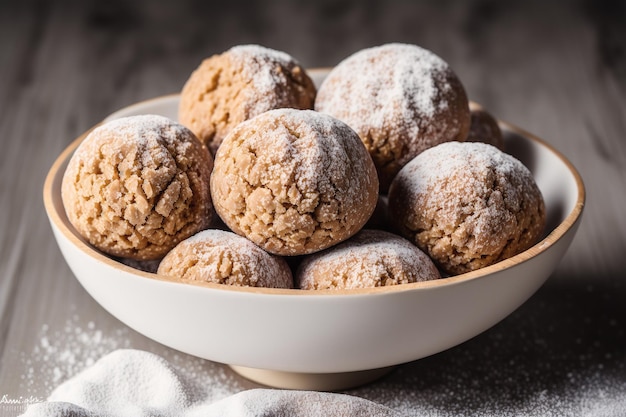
{"x": 573, "y": 364}
{"x": 587, "y": 394}
{"x": 549, "y": 358}
{"x": 62, "y": 354}
{"x": 137, "y": 383}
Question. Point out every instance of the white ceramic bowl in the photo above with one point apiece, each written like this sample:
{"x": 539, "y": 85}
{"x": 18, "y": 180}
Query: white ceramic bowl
{"x": 322, "y": 339}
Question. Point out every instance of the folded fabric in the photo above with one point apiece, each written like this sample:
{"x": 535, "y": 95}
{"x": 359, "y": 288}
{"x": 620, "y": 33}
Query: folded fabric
{"x": 133, "y": 383}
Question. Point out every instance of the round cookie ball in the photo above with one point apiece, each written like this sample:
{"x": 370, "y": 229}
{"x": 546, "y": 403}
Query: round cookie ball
{"x": 484, "y": 127}
{"x": 371, "y": 258}
{"x": 225, "y": 258}
{"x": 467, "y": 205}
{"x": 400, "y": 99}
{"x": 137, "y": 186}
{"x": 294, "y": 181}
{"x": 239, "y": 84}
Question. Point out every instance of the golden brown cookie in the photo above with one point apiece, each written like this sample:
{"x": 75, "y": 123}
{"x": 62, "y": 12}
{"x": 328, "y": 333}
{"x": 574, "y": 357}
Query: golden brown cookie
{"x": 137, "y": 186}
{"x": 484, "y": 127}
{"x": 400, "y": 99}
{"x": 371, "y": 258}
{"x": 294, "y": 181}
{"x": 239, "y": 84}
{"x": 225, "y": 258}
{"x": 467, "y": 205}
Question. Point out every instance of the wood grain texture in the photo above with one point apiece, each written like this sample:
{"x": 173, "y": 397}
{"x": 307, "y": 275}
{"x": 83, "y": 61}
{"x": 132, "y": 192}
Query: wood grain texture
{"x": 557, "y": 69}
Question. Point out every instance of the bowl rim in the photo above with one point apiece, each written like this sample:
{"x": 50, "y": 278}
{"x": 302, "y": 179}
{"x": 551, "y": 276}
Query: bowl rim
{"x": 543, "y": 245}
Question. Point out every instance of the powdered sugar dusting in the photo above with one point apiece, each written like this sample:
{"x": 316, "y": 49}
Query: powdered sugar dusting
{"x": 446, "y": 159}
{"x": 549, "y": 358}
{"x": 133, "y": 383}
{"x": 225, "y": 258}
{"x": 322, "y": 148}
{"x": 62, "y": 354}
{"x": 138, "y": 185}
{"x": 468, "y": 205}
{"x": 127, "y": 379}
{"x": 515, "y": 369}
{"x": 264, "y": 55}
{"x": 294, "y": 181}
{"x": 371, "y": 258}
{"x": 400, "y": 99}
{"x": 432, "y": 175}
{"x": 265, "y": 69}
{"x": 241, "y": 83}
{"x": 379, "y": 82}
{"x": 137, "y": 130}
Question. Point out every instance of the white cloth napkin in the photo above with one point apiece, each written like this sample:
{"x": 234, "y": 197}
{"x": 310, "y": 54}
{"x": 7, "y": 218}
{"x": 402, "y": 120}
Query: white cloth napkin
{"x": 133, "y": 383}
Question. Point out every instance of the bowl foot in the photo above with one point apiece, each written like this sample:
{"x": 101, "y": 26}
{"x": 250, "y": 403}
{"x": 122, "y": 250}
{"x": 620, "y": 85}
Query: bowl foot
{"x": 312, "y": 381}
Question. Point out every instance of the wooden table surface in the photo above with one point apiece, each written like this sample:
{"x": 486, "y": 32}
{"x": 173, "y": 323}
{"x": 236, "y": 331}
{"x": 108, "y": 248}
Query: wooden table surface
{"x": 558, "y": 70}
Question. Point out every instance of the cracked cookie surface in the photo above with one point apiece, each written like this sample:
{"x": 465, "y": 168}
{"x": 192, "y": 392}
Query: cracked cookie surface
{"x": 239, "y": 84}
{"x": 225, "y": 258}
{"x": 371, "y": 258}
{"x": 294, "y": 181}
{"x": 400, "y": 99}
{"x": 137, "y": 186}
{"x": 468, "y": 205}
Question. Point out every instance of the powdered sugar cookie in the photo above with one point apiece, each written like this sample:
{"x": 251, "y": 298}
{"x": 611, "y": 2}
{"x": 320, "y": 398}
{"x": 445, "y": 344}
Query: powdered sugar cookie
{"x": 400, "y": 99}
{"x": 467, "y": 205}
{"x": 371, "y": 258}
{"x": 239, "y": 84}
{"x": 137, "y": 186}
{"x": 225, "y": 258}
{"x": 294, "y": 181}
